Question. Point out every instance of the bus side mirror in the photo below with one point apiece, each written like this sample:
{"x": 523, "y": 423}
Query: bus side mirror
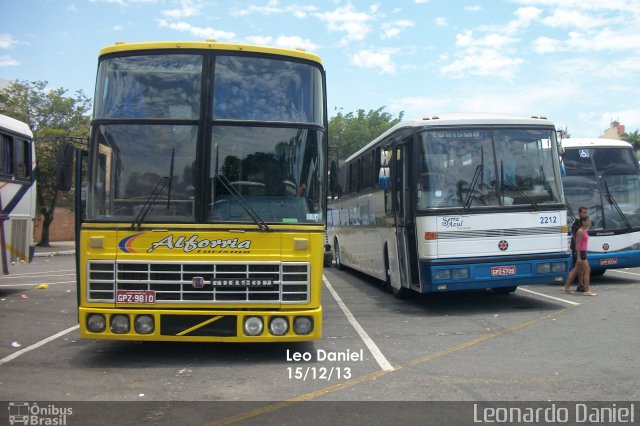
{"x": 384, "y": 176}
{"x": 560, "y": 147}
{"x": 385, "y": 157}
{"x": 333, "y": 178}
{"x": 64, "y": 166}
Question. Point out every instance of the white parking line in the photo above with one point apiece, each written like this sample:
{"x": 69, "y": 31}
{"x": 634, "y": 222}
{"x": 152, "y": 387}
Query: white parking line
{"x": 31, "y": 284}
{"x": 48, "y": 273}
{"x": 373, "y": 348}
{"x": 549, "y": 297}
{"x": 37, "y": 345}
{"x": 622, "y": 272}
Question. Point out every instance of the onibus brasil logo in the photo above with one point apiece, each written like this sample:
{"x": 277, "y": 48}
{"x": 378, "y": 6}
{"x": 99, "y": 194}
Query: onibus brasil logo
{"x": 187, "y": 244}
{"x": 28, "y": 413}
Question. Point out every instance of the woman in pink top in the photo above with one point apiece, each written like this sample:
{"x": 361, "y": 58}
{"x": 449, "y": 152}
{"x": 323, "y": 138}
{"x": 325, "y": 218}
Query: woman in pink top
{"x": 582, "y": 239}
{"x": 582, "y": 265}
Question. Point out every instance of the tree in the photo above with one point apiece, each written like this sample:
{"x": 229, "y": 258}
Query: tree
{"x": 633, "y": 138}
{"x": 350, "y": 132}
{"x": 52, "y": 116}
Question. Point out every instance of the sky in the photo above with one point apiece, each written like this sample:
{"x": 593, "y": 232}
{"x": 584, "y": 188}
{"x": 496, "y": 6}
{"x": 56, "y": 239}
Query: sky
{"x": 576, "y": 62}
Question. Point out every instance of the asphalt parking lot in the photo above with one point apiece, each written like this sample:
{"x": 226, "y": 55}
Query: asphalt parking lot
{"x": 538, "y": 344}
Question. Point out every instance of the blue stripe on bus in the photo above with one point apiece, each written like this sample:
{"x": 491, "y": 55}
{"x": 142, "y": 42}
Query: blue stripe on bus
{"x": 6, "y": 209}
{"x": 624, "y": 259}
{"x": 479, "y": 275}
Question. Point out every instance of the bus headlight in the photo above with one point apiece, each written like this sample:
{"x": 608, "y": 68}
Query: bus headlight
{"x": 120, "y": 324}
{"x": 543, "y": 268}
{"x": 302, "y": 325}
{"x": 460, "y": 273}
{"x": 442, "y": 274}
{"x": 278, "y": 326}
{"x": 253, "y": 326}
{"x": 558, "y": 267}
{"x": 143, "y": 324}
{"x": 96, "y": 323}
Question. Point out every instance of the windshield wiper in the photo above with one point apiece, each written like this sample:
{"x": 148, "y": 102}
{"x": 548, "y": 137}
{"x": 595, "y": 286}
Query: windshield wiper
{"x": 472, "y": 188}
{"x": 615, "y": 205}
{"x": 151, "y": 199}
{"x": 242, "y": 201}
{"x": 519, "y": 191}
{"x": 153, "y": 196}
{"x": 170, "y": 178}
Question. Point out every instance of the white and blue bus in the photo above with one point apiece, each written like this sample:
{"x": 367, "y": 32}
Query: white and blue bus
{"x": 451, "y": 203}
{"x": 603, "y": 175}
{"x": 17, "y": 193}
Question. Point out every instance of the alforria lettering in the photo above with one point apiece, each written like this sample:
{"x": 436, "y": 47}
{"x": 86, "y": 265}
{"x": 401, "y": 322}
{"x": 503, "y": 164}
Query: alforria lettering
{"x": 189, "y": 245}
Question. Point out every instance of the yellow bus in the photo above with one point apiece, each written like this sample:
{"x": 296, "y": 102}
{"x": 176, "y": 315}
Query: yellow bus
{"x": 204, "y": 205}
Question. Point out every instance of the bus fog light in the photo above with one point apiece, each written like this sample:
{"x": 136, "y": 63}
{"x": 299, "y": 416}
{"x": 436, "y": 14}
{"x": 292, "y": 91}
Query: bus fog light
{"x": 279, "y": 326}
{"x": 558, "y": 267}
{"x": 143, "y": 324}
{"x": 302, "y": 325}
{"x": 460, "y": 273}
{"x": 96, "y": 323}
{"x": 543, "y": 268}
{"x": 442, "y": 287}
{"x": 253, "y": 326}
{"x": 442, "y": 274}
{"x": 120, "y": 324}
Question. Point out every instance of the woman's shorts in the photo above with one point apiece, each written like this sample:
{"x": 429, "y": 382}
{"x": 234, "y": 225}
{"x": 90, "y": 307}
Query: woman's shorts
{"x": 583, "y": 255}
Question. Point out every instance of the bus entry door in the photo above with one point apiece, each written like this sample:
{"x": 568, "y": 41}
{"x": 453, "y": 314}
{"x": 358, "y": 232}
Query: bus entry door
{"x": 403, "y": 216}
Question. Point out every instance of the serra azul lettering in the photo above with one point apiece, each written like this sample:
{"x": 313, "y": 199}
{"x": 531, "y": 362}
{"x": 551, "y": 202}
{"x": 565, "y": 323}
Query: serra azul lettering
{"x": 190, "y": 244}
{"x": 452, "y": 222}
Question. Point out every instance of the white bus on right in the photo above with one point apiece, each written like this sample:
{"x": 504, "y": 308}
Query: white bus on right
{"x": 603, "y": 175}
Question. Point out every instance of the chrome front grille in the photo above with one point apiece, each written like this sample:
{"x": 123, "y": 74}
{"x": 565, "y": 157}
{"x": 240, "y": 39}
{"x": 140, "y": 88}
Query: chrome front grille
{"x": 221, "y": 282}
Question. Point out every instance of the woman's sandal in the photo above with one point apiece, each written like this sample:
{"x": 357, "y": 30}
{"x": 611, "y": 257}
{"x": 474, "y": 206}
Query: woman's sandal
{"x": 590, "y": 293}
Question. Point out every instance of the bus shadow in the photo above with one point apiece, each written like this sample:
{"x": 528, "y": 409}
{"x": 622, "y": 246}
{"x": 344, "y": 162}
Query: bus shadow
{"x": 4, "y": 291}
{"x": 482, "y": 302}
{"x": 464, "y": 303}
{"x": 132, "y": 355}
{"x": 612, "y": 278}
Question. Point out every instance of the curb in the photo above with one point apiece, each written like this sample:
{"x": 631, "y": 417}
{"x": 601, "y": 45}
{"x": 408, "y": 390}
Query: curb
{"x": 54, "y": 253}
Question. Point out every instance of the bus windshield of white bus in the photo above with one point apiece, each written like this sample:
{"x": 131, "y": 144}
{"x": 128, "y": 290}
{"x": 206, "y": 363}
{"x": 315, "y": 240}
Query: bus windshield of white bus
{"x": 480, "y": 167}
{"x": 606, "y": 180}
{"x": 262, "y": 137}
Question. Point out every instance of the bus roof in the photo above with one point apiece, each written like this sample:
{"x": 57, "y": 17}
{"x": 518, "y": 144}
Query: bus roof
{"x": 213, "y": 45}
{"x": 594, "y": 143}
{"x": 15, "y": 126}
{"x": 460, "y": 119}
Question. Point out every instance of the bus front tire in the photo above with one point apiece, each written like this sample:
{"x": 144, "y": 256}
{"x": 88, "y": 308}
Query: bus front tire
{"x": 400, "y": 293}
{"x": 386, "y": 285}
{"x": 336, "y": 254}
{"x": 505, "y": 290}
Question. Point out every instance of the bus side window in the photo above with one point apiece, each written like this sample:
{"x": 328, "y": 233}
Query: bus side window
{"x": 22, "y": 159}
{"x": 6, "y": 155}
{"x": 21, "y": 170}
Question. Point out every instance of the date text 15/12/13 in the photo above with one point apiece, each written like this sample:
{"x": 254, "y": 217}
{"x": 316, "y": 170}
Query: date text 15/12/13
{"x": 322, "y": 355}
